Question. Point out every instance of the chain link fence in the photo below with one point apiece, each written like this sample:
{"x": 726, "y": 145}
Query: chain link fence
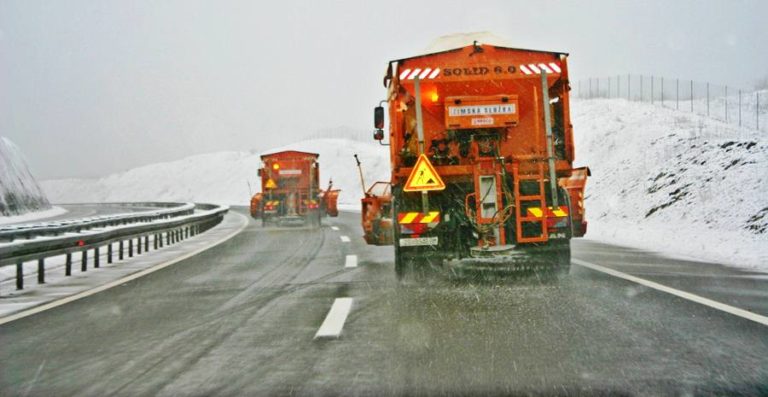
{"x": 745, "y": 108}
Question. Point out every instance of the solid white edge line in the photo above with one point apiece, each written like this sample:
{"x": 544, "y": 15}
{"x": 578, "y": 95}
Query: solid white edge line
{"x": 112, "y": 284}
{"x": 344, "y": 239}
{"x": 350, "y": 261}
{"x": 682, "y": 294}
{"x": 334, "y": 321}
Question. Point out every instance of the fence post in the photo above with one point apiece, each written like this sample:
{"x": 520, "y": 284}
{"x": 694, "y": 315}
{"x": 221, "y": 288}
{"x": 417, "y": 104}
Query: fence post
{"x": 130, "y": 247}
{"x": 677, "y": 94}
{"x": 20, "y": 275}
{"x": 691, "y": 96}
{"x": 109, "y": 252}
{"x": 707, "y": 98}
{"x": 739, "y": 108}
{"x": 138, "y": 246}
{"x": 652, "y": 89}
{"x": 579, "y": 94}
{"x": 757, "y": 110}
{"x": 41, "y": 271}
{"x": 641, "y": 88}
{"x": 590, "y": 88}
{"x": 84, "y": 261}
{"x": 68, "y": 265}
{"x": 609, "y": 87}
{"x": 96, "y": 259}
{"x": 121, "y": 247}
{"x": 629, "y": 81}
{"x": 662, "y": 92}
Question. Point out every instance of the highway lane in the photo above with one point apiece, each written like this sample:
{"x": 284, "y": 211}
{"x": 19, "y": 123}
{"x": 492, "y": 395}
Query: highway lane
{"x": 240, "y": 319}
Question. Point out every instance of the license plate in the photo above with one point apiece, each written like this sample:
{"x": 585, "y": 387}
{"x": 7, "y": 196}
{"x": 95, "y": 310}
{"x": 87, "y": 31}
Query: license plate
{"x": 418, "y": 241}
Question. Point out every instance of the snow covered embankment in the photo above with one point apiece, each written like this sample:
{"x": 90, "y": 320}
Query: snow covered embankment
{"x": 674, "y": 182}
{"x": 19, "y": 192}
{"x": 226, "y": 177}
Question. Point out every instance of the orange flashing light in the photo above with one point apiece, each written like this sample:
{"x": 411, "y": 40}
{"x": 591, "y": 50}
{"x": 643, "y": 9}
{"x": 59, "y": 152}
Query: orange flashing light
{"x": 275, "y": 166}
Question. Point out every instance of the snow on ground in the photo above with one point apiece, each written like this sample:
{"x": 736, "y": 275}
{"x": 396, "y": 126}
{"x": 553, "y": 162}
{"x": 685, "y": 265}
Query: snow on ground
{"x": 32, "y": 216}
{"x": 663, "y": 180}
{"x": 19, "y": 192}
{"x": 224, "y": 177}
{"x": 674, "y": 182}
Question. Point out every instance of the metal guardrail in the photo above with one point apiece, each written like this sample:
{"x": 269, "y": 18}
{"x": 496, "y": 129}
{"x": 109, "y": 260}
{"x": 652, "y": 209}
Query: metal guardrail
{"x": 163, "y": 231}
{"x": 32, "y": 230}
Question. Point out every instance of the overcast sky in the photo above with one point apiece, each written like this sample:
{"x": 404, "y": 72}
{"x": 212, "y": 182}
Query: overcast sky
{"x": 92, "y": 87}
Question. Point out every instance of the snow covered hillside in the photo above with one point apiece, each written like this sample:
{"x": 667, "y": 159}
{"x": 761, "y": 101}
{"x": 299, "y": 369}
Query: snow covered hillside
{"x": 224, "y": 177}
{"x": 673, "y": 181}
{"x": 662, "y": 180}
{"x": 19, "y": 192}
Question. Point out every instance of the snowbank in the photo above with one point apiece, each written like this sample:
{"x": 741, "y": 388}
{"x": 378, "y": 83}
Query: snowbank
{"x": 19, "y": 192}
{"x": 674, "y": 182}
{"x": 225, "y": 177}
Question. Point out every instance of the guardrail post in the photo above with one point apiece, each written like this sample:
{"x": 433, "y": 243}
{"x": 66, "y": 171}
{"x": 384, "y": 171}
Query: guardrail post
{"x": 154, "y": 240}
{"x": 138, "y": 246}
{"x": 109, "y": 252}
{"x": 20, "y": 275}
{"x": 168, "y": 238}
{"x": 130, "y": 247}
{"x": 41, "y": 271}
{"x": 121, "y": 248}
{"x": 96, "y": 257}
{"x": 160, "y": 239}
{"x": 146, "y": 243}
{"x": 68, "y": 265}
{"x": 84, "y": 261}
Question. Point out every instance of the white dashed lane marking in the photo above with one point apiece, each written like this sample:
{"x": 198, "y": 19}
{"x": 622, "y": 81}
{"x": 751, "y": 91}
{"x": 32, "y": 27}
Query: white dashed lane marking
{"x": 344, "y": 239}
{"x": 334, "y": 321}
{"x": 334, "y": 228}
{"x": 351, "y": 261}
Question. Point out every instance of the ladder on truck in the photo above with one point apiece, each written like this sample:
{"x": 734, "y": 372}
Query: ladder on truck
{"x": 522, "y": 216}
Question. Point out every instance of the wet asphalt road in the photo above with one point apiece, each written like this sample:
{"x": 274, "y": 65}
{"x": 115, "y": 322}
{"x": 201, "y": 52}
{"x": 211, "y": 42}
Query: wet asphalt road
{"x": 239, "y": 319}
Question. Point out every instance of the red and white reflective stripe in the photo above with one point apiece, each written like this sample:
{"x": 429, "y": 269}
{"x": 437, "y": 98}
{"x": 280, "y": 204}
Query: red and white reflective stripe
{"x": 533, "y": 68}
{"x": 428, "y": 73}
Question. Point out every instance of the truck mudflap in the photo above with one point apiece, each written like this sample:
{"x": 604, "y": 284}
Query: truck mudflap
{"x": 575, "y": 185}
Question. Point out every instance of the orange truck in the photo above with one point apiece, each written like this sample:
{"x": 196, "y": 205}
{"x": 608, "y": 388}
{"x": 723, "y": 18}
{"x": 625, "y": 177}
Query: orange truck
{"x": 481, "y": 153}
{"x": 290, "y": 191}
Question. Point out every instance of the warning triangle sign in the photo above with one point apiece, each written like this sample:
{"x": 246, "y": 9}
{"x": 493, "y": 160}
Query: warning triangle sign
{"x": 270, "y": 184}
{"x": 423, "y": 177}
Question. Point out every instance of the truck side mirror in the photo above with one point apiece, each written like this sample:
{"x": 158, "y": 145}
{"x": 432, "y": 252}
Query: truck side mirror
{"x": 378, "y": 117}
{"x": 261, "y": 171}
{"x": 378, "y": 135}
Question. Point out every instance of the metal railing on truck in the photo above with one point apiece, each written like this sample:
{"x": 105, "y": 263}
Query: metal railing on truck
{"x": 164, "y": 232}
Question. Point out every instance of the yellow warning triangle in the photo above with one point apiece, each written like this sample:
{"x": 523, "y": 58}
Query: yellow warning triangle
{"x": 270, "y": 184}
{"x": 423, "y": 177}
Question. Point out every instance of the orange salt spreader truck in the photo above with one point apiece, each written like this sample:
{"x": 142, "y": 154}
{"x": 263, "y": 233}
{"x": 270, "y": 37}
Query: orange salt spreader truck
{"x": 481, "y": 153}
{"x": 290, "y": 191}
